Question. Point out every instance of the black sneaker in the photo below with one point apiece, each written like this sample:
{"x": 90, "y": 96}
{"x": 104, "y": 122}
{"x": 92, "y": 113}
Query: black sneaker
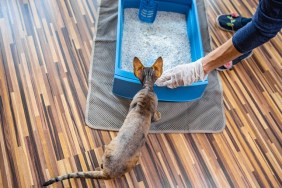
{"x": 230, "y": 64}
{"x": 231, "y": 22}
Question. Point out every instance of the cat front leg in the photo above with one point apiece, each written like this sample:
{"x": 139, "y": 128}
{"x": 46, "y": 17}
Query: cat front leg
{"x": 156, "y": 116}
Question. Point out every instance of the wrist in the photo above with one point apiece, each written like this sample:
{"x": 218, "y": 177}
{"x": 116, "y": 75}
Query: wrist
{"x": 206, "y": 68}
{"x": 200, "y": 69}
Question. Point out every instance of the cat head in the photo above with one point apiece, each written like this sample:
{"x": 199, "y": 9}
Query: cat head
{"x": 148, "y": 74}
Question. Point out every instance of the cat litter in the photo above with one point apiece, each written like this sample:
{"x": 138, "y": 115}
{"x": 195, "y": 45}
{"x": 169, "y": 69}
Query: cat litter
{"x": 166, "y": 37}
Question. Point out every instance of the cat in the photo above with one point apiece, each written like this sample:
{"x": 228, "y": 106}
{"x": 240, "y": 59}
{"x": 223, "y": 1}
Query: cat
{"x": 123, "y": 152}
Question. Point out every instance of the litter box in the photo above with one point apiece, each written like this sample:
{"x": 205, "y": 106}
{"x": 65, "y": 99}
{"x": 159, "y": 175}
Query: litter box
{"x": 126, "y": 85}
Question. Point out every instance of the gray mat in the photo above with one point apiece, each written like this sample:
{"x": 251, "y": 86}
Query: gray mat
{"x": 107, "y": 112}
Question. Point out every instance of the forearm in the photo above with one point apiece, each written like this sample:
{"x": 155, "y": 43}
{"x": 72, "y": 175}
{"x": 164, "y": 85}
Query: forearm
{"x": 218, "y": 57}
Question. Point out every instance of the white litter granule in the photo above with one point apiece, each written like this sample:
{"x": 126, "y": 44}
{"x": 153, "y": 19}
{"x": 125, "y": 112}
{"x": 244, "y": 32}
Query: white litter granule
{"x": 166, "y": 37}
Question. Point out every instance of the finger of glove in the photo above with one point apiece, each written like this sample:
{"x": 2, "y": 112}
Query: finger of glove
{"x": 161, "y": 81}
{"x": 176, "y": 79}
{"x": 172, "y": 83}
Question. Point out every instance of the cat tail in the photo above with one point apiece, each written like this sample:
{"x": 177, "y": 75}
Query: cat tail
{"x": 89, "y": 174}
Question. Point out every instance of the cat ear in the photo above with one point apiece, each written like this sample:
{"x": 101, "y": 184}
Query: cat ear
{"x": 158, "y": 67}
{"x": 138, "y": 68}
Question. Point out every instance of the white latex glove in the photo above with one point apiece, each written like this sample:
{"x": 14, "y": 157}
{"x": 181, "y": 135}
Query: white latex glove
{"x": 182, "y": 75}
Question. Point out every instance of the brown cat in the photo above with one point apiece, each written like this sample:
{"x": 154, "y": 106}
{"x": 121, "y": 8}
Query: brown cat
{"x": 123, "y": 152}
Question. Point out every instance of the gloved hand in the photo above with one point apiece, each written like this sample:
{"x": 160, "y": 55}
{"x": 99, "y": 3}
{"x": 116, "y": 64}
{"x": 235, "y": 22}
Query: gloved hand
{"x": 182, "y": 75}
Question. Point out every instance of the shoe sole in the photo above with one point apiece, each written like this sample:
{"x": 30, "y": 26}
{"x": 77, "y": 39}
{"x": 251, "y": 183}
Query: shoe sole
{"x": 225, "y": 69}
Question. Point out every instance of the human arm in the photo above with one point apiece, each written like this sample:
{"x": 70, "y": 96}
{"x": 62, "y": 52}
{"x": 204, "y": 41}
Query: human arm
{"x": 265, "y": 24}
{"x": 186, "y": 74}
{"x": 218, "y": 57}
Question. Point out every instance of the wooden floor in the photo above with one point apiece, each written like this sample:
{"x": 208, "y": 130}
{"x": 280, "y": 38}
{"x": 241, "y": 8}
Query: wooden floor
{"x": 45, "y": 49}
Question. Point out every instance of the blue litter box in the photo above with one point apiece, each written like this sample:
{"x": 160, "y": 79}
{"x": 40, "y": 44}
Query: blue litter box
{"x": 126, "y": 85}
